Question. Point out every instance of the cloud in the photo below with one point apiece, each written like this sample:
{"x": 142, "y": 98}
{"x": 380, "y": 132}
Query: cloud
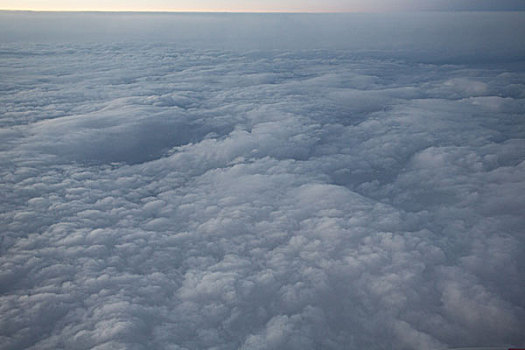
{"x": 155, "y": 196}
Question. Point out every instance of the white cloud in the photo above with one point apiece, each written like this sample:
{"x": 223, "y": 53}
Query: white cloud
{"x": 258, "y": 199}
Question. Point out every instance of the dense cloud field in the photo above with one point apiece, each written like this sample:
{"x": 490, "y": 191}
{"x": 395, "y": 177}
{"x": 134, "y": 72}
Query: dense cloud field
{"x": 267, "y": 189}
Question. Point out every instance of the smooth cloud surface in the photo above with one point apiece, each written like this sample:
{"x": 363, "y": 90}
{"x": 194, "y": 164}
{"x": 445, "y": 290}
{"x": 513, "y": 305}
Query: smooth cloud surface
{"x": 173, "y": 196}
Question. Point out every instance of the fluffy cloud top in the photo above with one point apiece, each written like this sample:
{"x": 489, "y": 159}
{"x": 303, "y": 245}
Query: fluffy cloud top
{"x": 178, "y": 197}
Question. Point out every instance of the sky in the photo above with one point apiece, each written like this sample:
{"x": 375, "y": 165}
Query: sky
{"x": 261, "y": 5}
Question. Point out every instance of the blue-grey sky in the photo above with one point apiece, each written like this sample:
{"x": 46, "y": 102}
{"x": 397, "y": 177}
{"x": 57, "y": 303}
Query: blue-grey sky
{"x": 262, "y": 5}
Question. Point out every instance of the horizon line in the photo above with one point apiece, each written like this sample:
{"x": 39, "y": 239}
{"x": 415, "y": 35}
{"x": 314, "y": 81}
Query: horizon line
{"x": 199, "y": 11}
{"x": 250, "y": 12}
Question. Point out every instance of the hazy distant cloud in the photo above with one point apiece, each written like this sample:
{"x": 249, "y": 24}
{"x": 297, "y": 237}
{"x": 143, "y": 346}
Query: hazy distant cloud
{"x": 181, "y": 197}
{"x": 427, "y": 37}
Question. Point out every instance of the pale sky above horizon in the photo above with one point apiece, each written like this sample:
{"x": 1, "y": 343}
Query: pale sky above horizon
{"x": 261, "y": 5}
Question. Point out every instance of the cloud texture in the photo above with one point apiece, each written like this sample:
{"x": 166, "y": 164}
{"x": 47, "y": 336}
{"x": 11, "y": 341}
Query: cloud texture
{"x": 178, "y": 197}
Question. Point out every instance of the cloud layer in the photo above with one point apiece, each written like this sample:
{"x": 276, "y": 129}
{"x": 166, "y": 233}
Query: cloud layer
{"x": 159, "y": 196}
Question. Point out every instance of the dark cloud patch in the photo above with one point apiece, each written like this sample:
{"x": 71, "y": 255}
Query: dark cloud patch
{"x": 163, "y": 197}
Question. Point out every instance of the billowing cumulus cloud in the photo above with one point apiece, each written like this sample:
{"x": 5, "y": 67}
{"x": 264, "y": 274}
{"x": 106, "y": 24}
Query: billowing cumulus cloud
{"x": 174, "y": 196}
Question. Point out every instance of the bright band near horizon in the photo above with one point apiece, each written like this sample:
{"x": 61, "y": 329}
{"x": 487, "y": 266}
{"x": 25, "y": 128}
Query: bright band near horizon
{"x": 263, "y": 5}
